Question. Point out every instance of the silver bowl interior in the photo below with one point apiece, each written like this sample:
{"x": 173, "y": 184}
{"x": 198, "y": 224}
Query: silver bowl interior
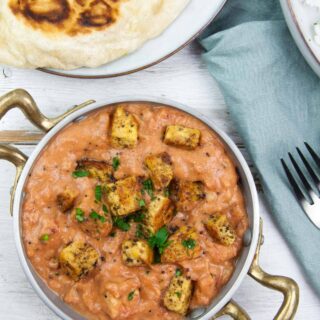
{"x": 246, "y": 181}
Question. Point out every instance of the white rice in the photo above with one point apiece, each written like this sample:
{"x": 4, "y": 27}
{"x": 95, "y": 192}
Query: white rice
{"x": 313, "y": 3}
{"x": 316, "y": 26}
{"x": 317, "y": 33}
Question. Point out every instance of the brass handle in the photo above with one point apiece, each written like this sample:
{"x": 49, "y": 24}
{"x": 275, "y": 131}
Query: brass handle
{"x": 21, "y": 99}
{"x": 233, "y": 310}
{"x": 288, "y": 287}
{"x": 19, "y": 159}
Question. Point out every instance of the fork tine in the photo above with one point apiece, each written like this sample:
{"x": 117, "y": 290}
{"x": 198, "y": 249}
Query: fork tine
{"x": 313, "y": 154}
{"x": 313, "y": 175}
{"x": 301, "y": 175}
{"x": 293, "y": 182}
{"x": 305, "y": 182}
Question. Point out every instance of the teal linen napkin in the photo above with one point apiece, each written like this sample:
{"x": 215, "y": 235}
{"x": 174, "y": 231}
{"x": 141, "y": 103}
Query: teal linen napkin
{"x": 274, "y": 100}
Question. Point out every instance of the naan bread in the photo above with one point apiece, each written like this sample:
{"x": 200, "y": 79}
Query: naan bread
{"x": 68, "y": 34}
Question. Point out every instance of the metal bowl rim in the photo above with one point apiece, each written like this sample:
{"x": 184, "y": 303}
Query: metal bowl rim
{"x": 127, "y": 99}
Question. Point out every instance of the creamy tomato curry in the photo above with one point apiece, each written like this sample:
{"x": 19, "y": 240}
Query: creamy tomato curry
{"x": 134, "y": 212}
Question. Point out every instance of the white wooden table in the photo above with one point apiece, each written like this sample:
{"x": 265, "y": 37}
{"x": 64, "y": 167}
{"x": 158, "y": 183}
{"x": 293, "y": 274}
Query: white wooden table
{"x": 183, "y": 78}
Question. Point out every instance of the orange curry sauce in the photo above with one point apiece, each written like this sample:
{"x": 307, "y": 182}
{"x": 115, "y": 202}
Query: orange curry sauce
{"x": 89, "y": 138}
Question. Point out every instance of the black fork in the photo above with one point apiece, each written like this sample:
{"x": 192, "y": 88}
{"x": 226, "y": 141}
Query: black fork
{"x": 307, "y": 192}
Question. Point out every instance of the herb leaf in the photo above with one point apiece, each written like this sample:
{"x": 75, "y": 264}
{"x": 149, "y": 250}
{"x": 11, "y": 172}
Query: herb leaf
{"x": 157, "y": 257}
{"x": 98, "y": 193}
{"x": 105, "y": 209}
{"x": 147, "y": 186}
{"x": 189, "y": 243}
{"x": 178, "y": 272}
{"x": 142, "y": 203}
{"x": 121, "y": 224}
{"x": 160, "y": 240}
{"x": 44, "y": 237}
{"x": 130, "y": 295}
{"x": 80, "y": 173}
{"x": 79, "y": 215}
{"x": 96, "y": 216}
{"x": 137, "y": 217}
{"x": 139, "y": 231}
{"x": 166, "y": 192}
{"x": 115, "y": 163}
{"x": 124, "y": 223}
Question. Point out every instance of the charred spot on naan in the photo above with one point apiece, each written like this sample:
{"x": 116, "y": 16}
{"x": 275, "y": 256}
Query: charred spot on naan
{"x": 99, "y": 14}
{"x": 64, "y": 17}
{"x": 51, "y": 11}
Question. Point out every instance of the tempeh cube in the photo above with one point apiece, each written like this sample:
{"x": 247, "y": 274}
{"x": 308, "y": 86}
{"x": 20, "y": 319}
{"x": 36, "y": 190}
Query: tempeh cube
{"x": 100, "y": 170}
{"x": 66, "y": 200}
{"x": 123, "y": 196}
{"x": 78, "y": 259}
{"x": 178, "y": 295}
{"x": 183, "y": 245}
{"x": 187, "y": 193}
{"x": 97, "y": 225}
{"x": 124, "y": 129}
{"x": 181, "y": 136}
{"x": 160, "y": 211}
{"x": 160, "y": 169}
{"x": 136, "y": 253}
{"x": 220, "y": 229}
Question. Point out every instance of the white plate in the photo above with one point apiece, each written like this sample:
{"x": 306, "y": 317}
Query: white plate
{"x": 300, "y": 19}
{"x": 197, "y": 15}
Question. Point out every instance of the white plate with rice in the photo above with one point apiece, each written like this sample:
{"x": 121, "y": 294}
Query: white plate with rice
{"x": 303, "y": 19}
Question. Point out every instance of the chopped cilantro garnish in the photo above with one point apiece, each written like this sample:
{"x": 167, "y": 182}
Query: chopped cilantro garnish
{"x": 131, "y": 295}
{"x": 139, "y": 231}
{"x": 160, "y": 240}
{"x": 115, "y": 163}
{"x": 80, "y": 173}
{"x": 96, "y": 216}
{"x": 79, "y": 215}
{"x": 44, "y": 237}
{"x": 189, "y": 243}
{"x": 137, "y": 217}
{"x": 178, "y": 294}
{"x": 98, "y": 193}
{"x": 147, "y": 186}
{"x": 178, "y": 272}
{"x": 124, "y": 223}
{"x": 121, "y": 223}
{"x": 157, "y": 257}
{"x": 142, "y": 203}
{"x": 105, "y": 209}
{"x": 166, "y": 192}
